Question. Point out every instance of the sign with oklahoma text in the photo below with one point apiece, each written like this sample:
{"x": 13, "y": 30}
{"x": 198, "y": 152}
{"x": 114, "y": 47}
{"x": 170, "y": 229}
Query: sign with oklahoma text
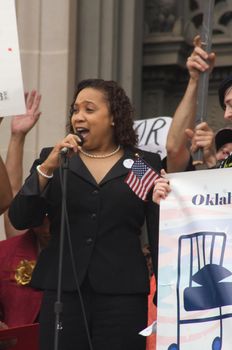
{"x": 195, "y": 262}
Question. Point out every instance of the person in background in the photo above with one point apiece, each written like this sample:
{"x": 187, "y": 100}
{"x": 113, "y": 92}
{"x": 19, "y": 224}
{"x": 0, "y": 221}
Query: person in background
{"x": 105, "y": 220}
{"x": 19, "y": 303}
{"x": 225, "y": 97}
{"x": 183, "y": 124}
{"x": 217, "y": 152}
{"x": 217, "y": 146}
{"x": 223, "y": 144}
{"x": 20, "y": 126}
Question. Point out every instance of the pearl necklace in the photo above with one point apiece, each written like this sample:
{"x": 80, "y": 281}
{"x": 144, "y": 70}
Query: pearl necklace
{"x": 100, "y": 156}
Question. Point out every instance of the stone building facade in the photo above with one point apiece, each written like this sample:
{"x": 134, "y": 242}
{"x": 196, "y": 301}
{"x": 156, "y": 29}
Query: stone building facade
{"x": 143, "y": 44}
{"x": 170, "y": 26}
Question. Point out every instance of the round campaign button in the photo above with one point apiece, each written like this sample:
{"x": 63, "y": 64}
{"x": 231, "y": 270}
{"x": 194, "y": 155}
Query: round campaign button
{"x": 128, "y": 163}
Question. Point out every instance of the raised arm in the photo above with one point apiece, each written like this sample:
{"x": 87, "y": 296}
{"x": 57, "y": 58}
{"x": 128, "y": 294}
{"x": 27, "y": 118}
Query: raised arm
{"x": 178, "y": 154}
{"x": 20, "y": 126}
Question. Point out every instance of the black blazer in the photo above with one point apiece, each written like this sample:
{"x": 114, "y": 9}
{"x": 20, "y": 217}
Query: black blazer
{"x": 105, "y": 224}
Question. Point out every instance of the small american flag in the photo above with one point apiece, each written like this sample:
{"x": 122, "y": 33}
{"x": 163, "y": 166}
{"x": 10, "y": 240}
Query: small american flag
{"x": 141, "y": 178}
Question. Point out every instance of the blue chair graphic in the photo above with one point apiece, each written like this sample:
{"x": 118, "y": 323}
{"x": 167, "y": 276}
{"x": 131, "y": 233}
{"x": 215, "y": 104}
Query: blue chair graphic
{"x": 210, "y": 292}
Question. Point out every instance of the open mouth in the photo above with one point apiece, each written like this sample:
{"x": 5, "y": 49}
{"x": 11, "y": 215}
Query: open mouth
{"x": 83, "y": 132}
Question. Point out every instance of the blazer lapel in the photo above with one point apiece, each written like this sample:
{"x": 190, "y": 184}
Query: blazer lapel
{"x": 119, "y": 169}
{"x": 77, "y": 166}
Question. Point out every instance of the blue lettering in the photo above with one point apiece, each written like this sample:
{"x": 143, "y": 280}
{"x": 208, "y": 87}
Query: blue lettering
{"x": 209, "y": 201}
{"x": 198, "y": 199}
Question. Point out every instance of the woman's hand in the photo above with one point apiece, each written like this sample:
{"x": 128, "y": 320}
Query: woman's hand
{"x": 46, "y": 169}
{"x": 161, "y": 188}
{"x": 22, "y": 124}
{"x": 70, "y": 143}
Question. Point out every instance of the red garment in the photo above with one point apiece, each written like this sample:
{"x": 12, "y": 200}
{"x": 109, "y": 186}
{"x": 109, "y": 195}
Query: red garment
{"x": 151, "y": 340}
{"x": 19, "y": 304}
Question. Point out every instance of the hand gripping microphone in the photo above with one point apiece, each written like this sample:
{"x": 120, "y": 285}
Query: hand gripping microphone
{"x": 65, "y": 150}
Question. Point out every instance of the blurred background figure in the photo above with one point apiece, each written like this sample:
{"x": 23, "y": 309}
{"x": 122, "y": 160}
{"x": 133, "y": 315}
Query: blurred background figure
{"x": 178, "y": 150}
{"x": 19, "y": 303}
{"x": 223, "y": 143}
{"x": 216, "y": 147}
{"x": 20, "y": 126}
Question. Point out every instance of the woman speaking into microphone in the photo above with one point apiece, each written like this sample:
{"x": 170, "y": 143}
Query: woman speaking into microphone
{"x": 105, "y": 218}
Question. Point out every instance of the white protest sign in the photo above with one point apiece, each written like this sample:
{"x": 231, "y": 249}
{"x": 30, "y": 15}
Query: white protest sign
{"x": 153, "y": 134}
{"x": 11, "y": 84}
{"x": 195, "y": 265}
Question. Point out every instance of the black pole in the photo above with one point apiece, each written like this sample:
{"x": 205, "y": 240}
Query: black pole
{"x": 202, "y": 97}
{"x": 58, "y": 304}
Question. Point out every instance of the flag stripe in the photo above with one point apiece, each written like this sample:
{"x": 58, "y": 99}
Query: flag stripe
{"x": 147, "y": 184}
{"x": 146, "y": 188}
{"x": 141, "y": 178}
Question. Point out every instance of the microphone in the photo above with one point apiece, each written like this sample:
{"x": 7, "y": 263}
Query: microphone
{"x": 65, "y": 150}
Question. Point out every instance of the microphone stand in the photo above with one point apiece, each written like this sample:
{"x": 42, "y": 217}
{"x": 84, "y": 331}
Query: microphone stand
{"x": 58, "y": 306}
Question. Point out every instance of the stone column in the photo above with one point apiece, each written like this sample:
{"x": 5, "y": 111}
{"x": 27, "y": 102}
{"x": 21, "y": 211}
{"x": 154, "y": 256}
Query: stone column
{"x": 110, "y": 43}
{"x": 47, "y": 38}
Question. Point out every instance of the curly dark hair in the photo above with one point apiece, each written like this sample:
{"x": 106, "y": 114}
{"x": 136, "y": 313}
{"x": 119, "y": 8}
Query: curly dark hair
{"x": 119, "y": 106}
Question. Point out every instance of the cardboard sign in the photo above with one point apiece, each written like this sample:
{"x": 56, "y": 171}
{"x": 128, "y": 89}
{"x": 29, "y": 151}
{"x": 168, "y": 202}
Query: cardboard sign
{"x": 153, "y": 134}
{"x": 11, "y": 84}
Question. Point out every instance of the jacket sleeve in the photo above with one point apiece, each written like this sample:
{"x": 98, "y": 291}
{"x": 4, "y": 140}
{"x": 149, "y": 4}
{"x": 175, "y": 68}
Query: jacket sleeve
{"x": 29, "y": 206}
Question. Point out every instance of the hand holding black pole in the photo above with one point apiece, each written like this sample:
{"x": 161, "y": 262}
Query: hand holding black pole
{"x": 206, "y": 38}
